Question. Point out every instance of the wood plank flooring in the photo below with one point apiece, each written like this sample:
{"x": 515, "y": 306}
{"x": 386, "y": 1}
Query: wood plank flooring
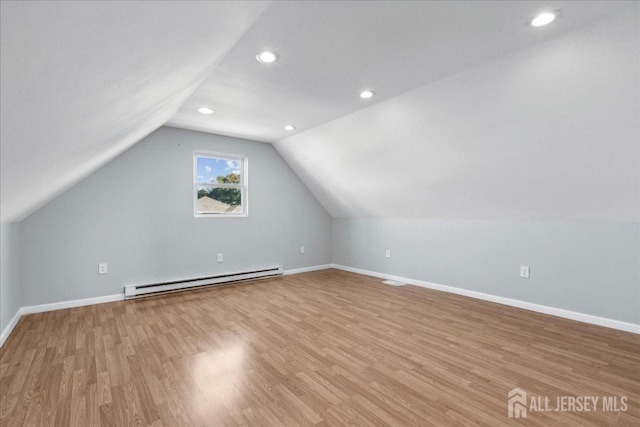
{"x": 327, "y": 348}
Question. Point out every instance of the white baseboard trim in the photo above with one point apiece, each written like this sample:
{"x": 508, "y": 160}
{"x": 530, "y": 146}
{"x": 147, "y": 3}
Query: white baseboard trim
{"x": 306, "y": 269}
{"x": 30, "y": 309}
{"x": 553, "y": 311}
{"x": 12, "y": 324}
{"x": 581, "y": 317}
{"x": 41, "y": 308}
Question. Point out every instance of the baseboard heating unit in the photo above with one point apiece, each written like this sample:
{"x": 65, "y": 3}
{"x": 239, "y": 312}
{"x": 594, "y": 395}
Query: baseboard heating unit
{"x": 134, "y": 291}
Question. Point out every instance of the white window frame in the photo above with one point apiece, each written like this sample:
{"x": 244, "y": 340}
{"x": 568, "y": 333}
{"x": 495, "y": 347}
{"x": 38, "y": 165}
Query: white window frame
{"x": 243, "y": 186}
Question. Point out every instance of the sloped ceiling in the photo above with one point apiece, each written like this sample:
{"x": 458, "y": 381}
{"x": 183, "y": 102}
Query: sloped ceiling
{"x": 81, "y": 82}
{"x": 331, "y": 50}
{"x": 551, "y": 132}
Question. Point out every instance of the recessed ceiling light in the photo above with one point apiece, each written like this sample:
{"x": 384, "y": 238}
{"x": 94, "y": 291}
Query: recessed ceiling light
{"x": 289, "y": 127}
{"x": 543, "y": 19}
{"x": 267, "y": 56}
{"x": 365, "y": 94}
{"x": 205, "y": 110}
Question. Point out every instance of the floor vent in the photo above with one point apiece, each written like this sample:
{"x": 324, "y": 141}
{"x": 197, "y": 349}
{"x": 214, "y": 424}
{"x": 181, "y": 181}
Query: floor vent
{"x": 393, "y": 283}
{"x": 134, "y": 291}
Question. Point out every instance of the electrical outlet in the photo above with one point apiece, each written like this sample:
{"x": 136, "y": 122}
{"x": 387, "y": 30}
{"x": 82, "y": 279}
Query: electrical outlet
{"x": 220, "y": 258}
{"x": 301, "y": 249}
{"x": 102, "y": 268}
{"x": 387, "y": 253}
{"x": 524, "y": 271}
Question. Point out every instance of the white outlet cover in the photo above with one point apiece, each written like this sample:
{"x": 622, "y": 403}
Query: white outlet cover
{"x": 102, "y": 268}
{"x": 524, "y": 271}
{"x": 220, "y": 258}
{"x": 301, "y": 249}
{"x": 387, "y": 253}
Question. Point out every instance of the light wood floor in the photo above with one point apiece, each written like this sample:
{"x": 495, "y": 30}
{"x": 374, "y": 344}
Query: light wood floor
{"x": 324, "y": 348}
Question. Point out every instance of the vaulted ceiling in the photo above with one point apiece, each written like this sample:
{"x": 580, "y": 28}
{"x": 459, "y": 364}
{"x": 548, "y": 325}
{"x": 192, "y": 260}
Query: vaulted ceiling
{"x": 549, "y": 133}
{"x": 82, "y": 82}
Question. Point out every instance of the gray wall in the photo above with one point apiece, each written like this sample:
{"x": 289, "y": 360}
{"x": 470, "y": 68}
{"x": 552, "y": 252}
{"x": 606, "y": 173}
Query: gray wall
{"x": 591, "y": 268}
{"x": 136, "y": 214}
{"x": 10, "y": 290}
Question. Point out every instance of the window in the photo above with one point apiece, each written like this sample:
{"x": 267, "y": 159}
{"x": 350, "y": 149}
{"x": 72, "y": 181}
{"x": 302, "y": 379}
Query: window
{"x": 219, "y": 185}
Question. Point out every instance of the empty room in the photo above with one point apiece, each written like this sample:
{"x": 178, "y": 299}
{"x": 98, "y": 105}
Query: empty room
{"x": 320, "y": 213}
